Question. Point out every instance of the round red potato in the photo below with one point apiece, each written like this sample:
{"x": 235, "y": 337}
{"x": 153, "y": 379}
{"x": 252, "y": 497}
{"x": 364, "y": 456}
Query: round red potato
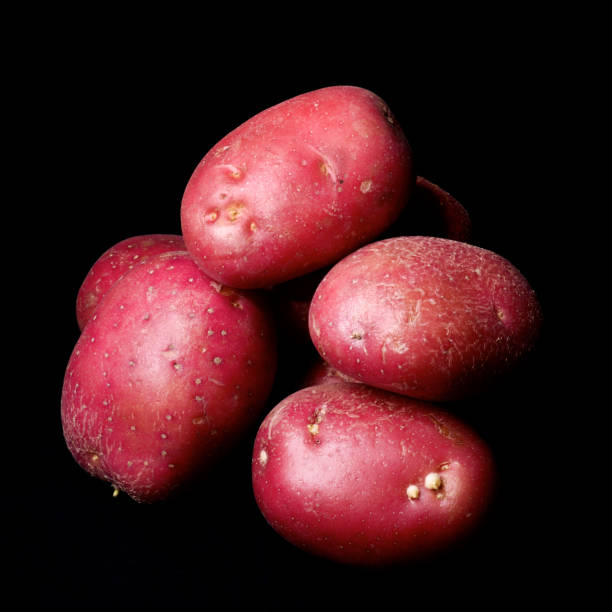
{"x": 296, "y": 187}
{"x": 426, "y": 317}
{"x": 115, "y": 262}
{"x": 363, "y": 476}
{"x": 170, "y": 370}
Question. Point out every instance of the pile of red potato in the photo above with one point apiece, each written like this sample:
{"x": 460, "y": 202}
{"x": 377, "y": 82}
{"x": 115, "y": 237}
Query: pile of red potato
{"x": 297, "y": 225}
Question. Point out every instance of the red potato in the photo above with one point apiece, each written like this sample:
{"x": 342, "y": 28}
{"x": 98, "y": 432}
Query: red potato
{"x": 363, "y": 476}
{"x": 115, "y": 262}
{"x": 296, "y": 187}
{"x": 170, "y": 371}
{"x": 426, "y": 317}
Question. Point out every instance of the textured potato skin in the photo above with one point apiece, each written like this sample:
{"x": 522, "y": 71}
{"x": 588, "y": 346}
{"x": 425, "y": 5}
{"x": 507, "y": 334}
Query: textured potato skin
{"x": 332, "y": 465}
{"x": 116, "y": 261}
{"x": 168, "y": 372}
{"x": 426, "y": 317}
{"x": 296, "y": 187}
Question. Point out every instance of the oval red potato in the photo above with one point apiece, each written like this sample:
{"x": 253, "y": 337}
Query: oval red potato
{"x": 296, "y": 187}
{"x": 360, "y": 475}
{"x": 168, "y": 372}
{"x": 426, "y": 317}
{"x": 115, "y": 262}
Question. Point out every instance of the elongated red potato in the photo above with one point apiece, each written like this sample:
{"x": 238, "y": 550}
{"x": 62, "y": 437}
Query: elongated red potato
{"x": 296, "y": 187}
{"x": 363, "y": 476}
{"x": 114, "y": 263}
{"x": 426, "y": 317}
{"x": 167, "y": 374}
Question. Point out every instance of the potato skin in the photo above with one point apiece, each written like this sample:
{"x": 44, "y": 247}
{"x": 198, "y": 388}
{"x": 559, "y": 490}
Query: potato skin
{"x": 427, "y": 317}
{"x": 332, "y": 465}
{"x": 296, "y": 187}
{"x": 170, "y": 370}
{"x": 116, "y": 261}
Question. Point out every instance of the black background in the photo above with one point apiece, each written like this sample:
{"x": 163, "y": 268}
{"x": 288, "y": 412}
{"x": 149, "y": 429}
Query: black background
{"x": 114, "y": 120}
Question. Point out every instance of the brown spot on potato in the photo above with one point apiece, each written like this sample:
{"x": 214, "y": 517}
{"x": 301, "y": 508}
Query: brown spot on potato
{"x": 386, "y": 111}
{"x": 234, "y": 211}
{"x": 365, "y": 186}
{"x": 211, "y": 215}
{"x": 313, "y": 428}
{"x": 443, "y": 430}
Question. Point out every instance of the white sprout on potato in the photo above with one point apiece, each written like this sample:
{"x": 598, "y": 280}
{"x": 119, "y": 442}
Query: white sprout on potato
{"x": 412, "y": 491}
{"x": 433, "y": 481}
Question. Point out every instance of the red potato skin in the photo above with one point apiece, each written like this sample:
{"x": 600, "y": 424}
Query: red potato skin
{"x": 116, "y": 261}
{"x": 296, "y": 187}
{"x": 427, "y": 317}
{"x": 430, "y": 208}
{"x": 332, "y": 464}
{"x": 167, "y": 374}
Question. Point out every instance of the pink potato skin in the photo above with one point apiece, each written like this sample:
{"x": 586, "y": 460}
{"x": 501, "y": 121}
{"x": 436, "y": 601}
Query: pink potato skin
{"x": 332, "y": 465}
{"x": 296, "y": 187}
{"x": 115, "y": 262}
{"x": 427, "y": 317}
{"x": 167, "y": 374}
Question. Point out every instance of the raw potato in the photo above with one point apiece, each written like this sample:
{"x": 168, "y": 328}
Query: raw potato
{"x": 363, "y": 476}
{"x": 169, "y": 372}
{"x": 296, "y": 187}
{"x": 426, "y": 317}
{"x": 116, "y": 261}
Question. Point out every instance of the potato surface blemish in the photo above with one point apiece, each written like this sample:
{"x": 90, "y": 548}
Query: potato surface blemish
{"x": 430, "y": 327}
{"x": 368, "y": 496}
{"x": 312, "y": 190}
{"x": 156, "y": 408}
